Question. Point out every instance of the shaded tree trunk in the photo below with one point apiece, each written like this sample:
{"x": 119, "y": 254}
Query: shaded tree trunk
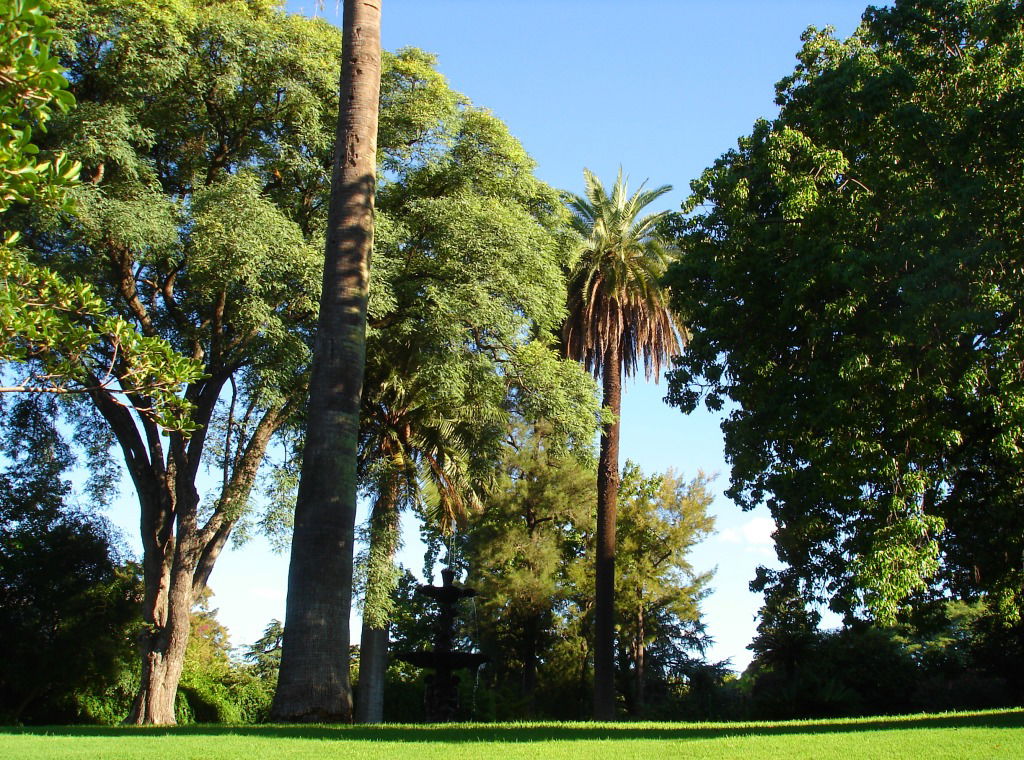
{"x": 313, "y": 684}
{"x": 373, "y": 663}
{"x": 531, "y": 643}
{"x": 607, "y": 506}
{"x": 380, "y": 585}
{"x": 162, "y": 645}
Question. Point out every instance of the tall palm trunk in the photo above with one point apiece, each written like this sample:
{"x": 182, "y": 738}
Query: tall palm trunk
{"x": 313, "y": 684}
{"x": 607, "y": 507}
{"x": 380, "y": 577}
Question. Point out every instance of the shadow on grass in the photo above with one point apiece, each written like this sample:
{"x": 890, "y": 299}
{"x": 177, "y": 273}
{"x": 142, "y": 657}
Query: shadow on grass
{"x": 537, "y": 732}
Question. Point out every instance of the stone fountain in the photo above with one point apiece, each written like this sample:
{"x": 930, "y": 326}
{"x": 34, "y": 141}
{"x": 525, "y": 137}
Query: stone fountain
{"x": 441, "y": 700}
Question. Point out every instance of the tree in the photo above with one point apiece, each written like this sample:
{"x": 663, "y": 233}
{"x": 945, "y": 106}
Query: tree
{"x": 852, "y": 279}
{"x": 205, "y": 136}
{"x": 50, "y": 327}
{"x": 786, "y": 632}
{"x": 662, "y": 517}
{"x": 529, "y": 554}
{"x": 62, "y": 580}
{"x": 264, "y": 654}
{"x": 474, "y": 293}
{"x": 410, "y": 443}
{"x": 520, "y": 550}
{"x": 618, "y": 312}
{"x": 187, "y": 116}
{"x": 313, "y": 684}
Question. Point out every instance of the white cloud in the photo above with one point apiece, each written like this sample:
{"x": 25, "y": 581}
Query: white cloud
{"x": 758, "y": 531}
{"x": 755, "y": 536}
{"x": 730, "y": 536}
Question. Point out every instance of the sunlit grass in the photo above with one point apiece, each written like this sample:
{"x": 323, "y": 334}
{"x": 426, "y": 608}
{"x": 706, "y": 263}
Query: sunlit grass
{"x": 991, "y": 734}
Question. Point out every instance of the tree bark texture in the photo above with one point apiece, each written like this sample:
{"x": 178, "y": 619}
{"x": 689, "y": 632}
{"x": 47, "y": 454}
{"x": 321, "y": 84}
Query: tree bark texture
{"x": 607, "y": 507}
{"x": 313, "y": 684}
{"x": 162, "y": 646}
{"x": 373, "y": 663}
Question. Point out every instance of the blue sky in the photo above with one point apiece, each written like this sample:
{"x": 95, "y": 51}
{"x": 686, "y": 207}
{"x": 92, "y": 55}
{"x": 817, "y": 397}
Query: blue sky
{"x": 659, "y": 87}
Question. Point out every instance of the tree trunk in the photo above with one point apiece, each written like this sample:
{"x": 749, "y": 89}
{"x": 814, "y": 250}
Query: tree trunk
{"x": 531, "y": 643}
{"x": 373, "y": 663}
{"x": 380, "y": 587}
{"x": 313, "y": 684}
{"x": 162, "y": 645}
{"x": 178, "y": 554}
{"x": 607, "y": 504}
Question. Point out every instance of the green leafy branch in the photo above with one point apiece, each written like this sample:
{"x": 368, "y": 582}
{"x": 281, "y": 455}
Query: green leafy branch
{"x": 50, "y": 326}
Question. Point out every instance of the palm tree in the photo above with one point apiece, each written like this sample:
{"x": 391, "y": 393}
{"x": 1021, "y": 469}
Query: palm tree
{"x": 617, "y": 313}
{"x": 414, "y": 449}
{"x": 313, "y": 684}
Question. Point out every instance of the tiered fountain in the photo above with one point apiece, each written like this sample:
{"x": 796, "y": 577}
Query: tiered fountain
{"x": 441, "y": 701}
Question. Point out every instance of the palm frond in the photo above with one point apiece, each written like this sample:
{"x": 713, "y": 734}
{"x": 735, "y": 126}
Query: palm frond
{"x": 616, "y": 300}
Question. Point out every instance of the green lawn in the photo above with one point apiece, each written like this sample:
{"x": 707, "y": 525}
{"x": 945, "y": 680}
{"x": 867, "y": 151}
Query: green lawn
{"x": 993, "y": 734}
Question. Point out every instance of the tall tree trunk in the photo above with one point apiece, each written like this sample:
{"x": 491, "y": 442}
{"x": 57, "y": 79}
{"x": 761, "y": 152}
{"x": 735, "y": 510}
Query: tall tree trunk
{"x": 373, "y": 664}
{"x": 380, "y": 586}
{"x": 607, "y": 506}
{"x": 313, "y": 684}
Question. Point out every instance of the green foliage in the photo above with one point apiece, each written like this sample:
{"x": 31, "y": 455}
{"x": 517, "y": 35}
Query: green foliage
{"x": 940, "y": 658}
{"x": 33, "y": 88}
{"x": 786, "y": 631}
{"x": 215, "y": 688}
{"x": 853, "y": 671}
{"x": 617, "y": 306}
{"x": 526, "y": 553}
{"x": 265, "y": 653}
{"x": 107, "y": 705}
{"x": 69, "y": 604}
{"x": 468, "y": 290}
{"x": 661, "y": 518}
{"x": 530, "y": 554}
{"x": 50, "y": 326}
{"x": 851, "y": 276}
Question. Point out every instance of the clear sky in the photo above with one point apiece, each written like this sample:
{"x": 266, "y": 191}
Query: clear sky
{"x": 659, "y": 87}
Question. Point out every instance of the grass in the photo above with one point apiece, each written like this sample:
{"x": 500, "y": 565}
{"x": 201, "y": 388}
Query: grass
{"x": 990, "y": 734}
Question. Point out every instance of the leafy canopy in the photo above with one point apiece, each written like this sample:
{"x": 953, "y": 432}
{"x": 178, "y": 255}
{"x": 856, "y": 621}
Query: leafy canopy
{"x": 853, "y": 277}
{"x": 51, "y": 326}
